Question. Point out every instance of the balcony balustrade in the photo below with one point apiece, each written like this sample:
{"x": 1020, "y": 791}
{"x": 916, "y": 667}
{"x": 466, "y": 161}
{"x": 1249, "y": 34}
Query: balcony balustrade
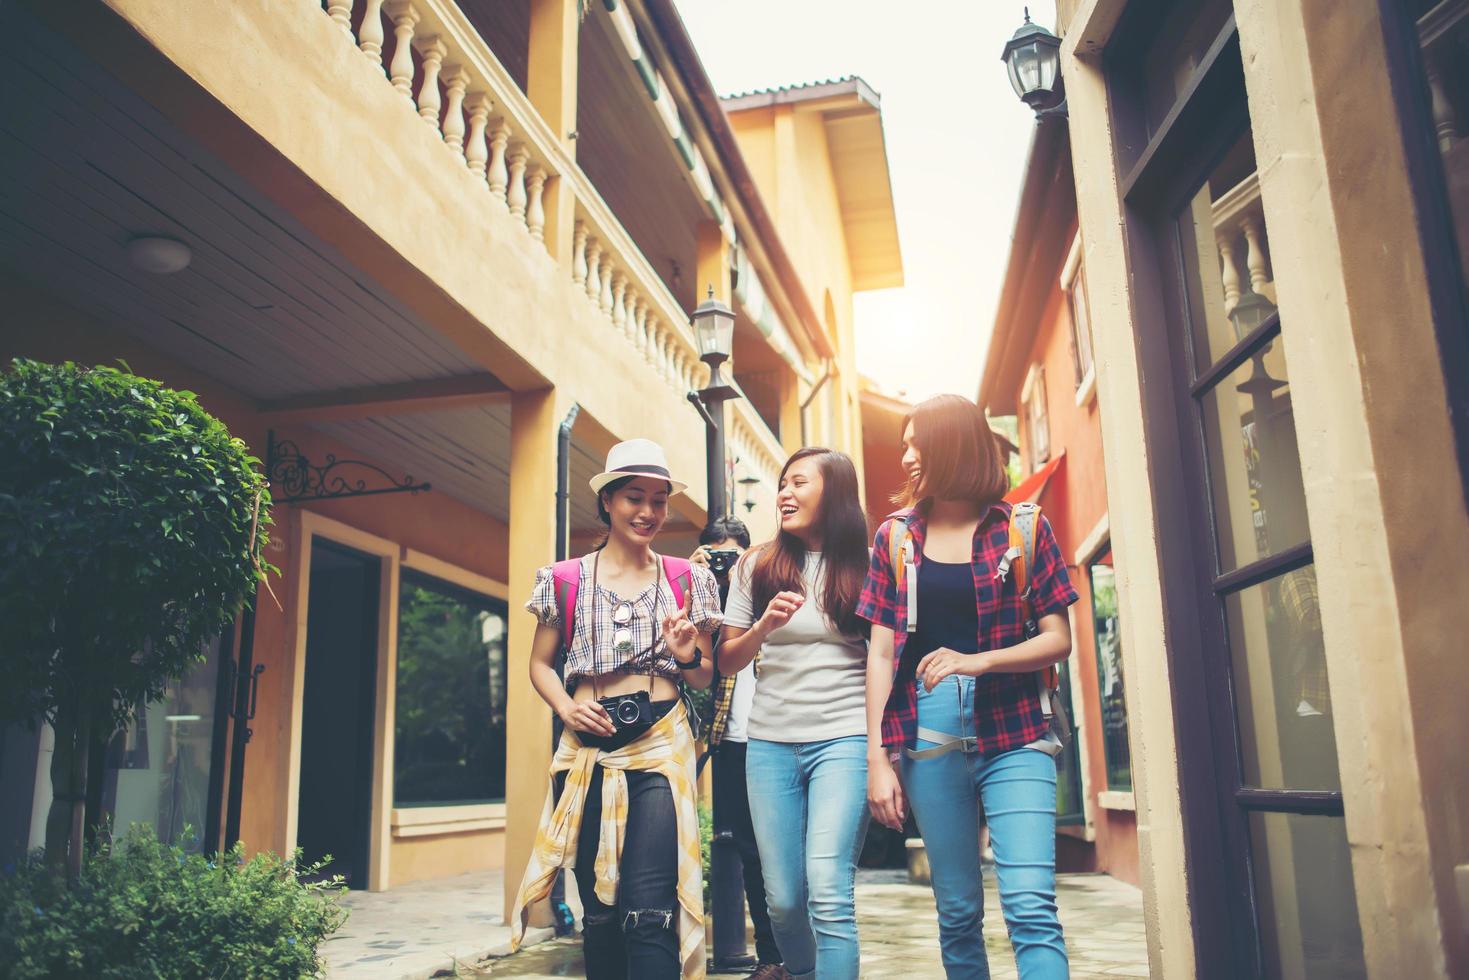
{"x": 450, "y": 77}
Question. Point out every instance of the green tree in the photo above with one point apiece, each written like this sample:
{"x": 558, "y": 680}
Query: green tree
{"x": 131, "y": 529}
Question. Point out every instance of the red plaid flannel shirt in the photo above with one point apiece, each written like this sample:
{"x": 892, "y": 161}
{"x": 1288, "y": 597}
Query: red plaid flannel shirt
{"x": 1007, "y": 706}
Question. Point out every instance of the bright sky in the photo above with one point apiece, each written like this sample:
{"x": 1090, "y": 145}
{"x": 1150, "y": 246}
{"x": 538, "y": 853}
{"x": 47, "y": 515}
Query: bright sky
{"x": 956, "y": 141}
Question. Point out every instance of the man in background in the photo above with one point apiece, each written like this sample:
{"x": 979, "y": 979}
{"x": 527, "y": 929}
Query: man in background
{"x": 721, "y": 543}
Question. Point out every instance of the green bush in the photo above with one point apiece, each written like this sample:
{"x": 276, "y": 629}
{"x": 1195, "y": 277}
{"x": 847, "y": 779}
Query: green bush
{"x": 147, "y": 909}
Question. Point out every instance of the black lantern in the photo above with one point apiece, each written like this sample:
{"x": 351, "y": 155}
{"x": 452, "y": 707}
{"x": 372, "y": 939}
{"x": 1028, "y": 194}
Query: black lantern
{"x": 1249, "y": 312}
{"x": 1032, "y": 57}
{"x": 714, "y": 329}
{"x": 749, "y": 483}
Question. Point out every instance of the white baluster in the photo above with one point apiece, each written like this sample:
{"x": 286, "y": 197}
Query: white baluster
{"x": 1255, "y": 251}
{"x": 579, "y": 255}
{"x": 498, "y": 176}
{"x": 654, "y": 338}
{"x": 594, "y": 270}
{"x": 404, "y": 19}
{"x": 431, "y": 51}
{"x": 476, "y": 151}
{"x": 1442, "y": 110}
{"x": 630, "y": 321}
{"x": 640, "y": 326}
{"x": 619, "y": 290}
{"x": 456, "y": 81}
{"x": 341, "y": 12}
{"x": 1229, "y": 272}
{"x": 515, "y": 193}
{"x": 535, "y": 211}
{"x": 604, "y": 292}
{"x": 370, "y": 33}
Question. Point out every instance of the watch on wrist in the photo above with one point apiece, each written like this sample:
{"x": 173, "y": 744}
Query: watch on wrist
{"x": 692, "y": 664}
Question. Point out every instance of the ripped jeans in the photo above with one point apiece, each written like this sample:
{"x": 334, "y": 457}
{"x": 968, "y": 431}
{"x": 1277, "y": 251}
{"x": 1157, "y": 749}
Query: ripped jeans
{"x": 637, "y": 940}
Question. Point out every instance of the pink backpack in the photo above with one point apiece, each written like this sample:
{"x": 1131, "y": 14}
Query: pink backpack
{"x": 566, "y": 577}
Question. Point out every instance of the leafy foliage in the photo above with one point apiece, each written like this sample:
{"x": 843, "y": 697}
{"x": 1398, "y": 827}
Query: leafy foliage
{"x": 126, "y": 513}
{"x": 706, "y": 841}
{"x": 147, "y": 909}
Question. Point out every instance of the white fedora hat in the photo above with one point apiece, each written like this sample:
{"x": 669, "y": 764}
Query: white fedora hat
{"x": 636, "y": 457}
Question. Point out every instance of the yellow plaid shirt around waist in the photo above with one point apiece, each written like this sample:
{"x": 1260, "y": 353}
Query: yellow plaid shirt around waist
{"x": 667, "y": 749}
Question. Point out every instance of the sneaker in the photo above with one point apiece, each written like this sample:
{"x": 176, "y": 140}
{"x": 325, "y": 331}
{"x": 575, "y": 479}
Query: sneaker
{"x": 769, "y": 971}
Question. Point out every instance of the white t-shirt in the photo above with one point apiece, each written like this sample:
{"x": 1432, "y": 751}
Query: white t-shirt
{"x": 813, "y": 679}
{"x": 737, "y": 727}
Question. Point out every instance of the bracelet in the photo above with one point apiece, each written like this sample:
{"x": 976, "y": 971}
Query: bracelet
{"x": 692, "y": 664}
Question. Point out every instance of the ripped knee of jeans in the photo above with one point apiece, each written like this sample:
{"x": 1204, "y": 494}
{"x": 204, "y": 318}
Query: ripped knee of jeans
{"x": 593, "y": 920}
{"x": 647, "y": 919}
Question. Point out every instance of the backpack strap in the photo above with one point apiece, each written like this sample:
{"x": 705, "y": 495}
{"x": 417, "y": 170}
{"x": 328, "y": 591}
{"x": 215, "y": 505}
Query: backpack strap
{"x": 901, "y": 560}
{"x": 1025, "y": 519}
{"x": 566, "y": 580}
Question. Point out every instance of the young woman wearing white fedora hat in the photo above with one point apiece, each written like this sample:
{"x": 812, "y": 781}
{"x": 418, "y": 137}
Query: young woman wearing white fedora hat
{"x": 634, "y": 626}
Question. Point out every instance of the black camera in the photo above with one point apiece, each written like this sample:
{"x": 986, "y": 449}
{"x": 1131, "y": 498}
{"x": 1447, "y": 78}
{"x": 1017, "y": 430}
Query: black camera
{"x": 720, "y": 562}
{"x": 629, "y": 712}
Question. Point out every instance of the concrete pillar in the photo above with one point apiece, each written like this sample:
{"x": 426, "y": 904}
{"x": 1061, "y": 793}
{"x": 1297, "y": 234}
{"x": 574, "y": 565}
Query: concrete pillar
{"x": 1135, "y": 531}
{"x": 534, "y": 418}
{"x": 1372, "y": 425}
{"x": 713, "y": 264}
{"x": 551, "y": 79}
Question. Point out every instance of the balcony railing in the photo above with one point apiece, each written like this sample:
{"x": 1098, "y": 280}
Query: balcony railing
{"x": 488, "y": 125}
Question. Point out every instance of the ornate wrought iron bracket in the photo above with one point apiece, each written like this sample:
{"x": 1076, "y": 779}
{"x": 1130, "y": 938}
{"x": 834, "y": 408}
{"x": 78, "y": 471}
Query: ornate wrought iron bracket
{"x": 294, "y": 477}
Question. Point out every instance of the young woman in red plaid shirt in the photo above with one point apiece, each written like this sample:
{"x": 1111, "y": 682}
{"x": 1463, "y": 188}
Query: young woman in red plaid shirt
{"x": 954, "y": 716}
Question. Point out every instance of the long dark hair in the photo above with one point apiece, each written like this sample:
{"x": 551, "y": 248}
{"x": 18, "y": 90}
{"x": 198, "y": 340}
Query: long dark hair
{"x": 960, "y": 453}
{"x": 779, "y": 563}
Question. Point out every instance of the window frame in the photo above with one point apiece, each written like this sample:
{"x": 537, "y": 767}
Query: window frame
{"x": 1078, "y": 305}
{"x": 1037, "y": 418}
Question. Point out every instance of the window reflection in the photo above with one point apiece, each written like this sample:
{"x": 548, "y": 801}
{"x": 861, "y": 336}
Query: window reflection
{"x": 1287, "y": 736}
{"x": 1307, "y": 903}
{"x": 157, "y": 770}
{"x": 450, "y": 709}
{"x": 1254, "y": 464}
{"x": 1117, "y": 753}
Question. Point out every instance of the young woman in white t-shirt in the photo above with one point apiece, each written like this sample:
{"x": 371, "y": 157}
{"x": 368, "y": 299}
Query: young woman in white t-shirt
{"x": 794, "y": 601}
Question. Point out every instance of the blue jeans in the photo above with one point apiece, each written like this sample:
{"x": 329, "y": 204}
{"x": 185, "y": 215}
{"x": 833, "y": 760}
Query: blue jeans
{"x": 809, "y": 801}
{"x": 1018, "y": 789}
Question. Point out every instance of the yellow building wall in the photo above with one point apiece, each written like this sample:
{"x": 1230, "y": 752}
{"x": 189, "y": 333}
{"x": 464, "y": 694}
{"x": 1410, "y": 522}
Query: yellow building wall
{"x": 787, "y": 153}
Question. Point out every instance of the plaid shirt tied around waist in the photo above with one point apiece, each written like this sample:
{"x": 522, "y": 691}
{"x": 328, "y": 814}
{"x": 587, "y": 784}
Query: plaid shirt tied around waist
{"x": 1007, "y": 710}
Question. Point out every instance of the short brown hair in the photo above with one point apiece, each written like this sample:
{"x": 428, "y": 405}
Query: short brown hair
{"x": 961, "y": 455}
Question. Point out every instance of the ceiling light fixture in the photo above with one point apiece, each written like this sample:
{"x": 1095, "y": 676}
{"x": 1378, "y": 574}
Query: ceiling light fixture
{"x": 159, "y": 255}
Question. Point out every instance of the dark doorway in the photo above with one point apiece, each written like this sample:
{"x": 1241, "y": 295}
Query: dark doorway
{"x": 334, "y": 812}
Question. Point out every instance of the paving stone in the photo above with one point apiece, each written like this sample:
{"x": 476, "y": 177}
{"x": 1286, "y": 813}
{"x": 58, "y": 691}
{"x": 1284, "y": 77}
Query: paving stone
{"x": 1102, "y": 918}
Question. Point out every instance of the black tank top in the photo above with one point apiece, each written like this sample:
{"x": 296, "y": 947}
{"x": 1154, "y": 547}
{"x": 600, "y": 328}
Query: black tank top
{"x": 948, "y": 611}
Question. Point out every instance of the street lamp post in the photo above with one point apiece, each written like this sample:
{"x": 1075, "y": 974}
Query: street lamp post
{"x": 1032, "y": 57}
{"x": 714, "y": 329}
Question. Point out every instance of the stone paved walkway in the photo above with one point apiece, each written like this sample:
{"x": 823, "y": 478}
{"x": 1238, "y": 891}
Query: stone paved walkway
{"x": 1102, "y": 917}
{"x": 421, "y": 930}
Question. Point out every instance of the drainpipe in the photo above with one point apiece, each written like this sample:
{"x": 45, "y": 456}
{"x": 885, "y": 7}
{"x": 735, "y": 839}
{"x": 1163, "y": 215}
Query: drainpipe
{"x": 820, "y": 383}
{"x": 561, "y": 914}
{"x": 563, "y": 481}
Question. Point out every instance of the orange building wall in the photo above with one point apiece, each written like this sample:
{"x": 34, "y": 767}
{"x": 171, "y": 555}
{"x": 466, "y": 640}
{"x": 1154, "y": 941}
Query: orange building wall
{"x": 44, "y": 328}
{"x": 1074, "y": 501}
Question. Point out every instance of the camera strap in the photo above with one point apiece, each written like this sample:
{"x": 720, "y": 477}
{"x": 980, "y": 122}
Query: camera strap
{"x": 657, "y": 606}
